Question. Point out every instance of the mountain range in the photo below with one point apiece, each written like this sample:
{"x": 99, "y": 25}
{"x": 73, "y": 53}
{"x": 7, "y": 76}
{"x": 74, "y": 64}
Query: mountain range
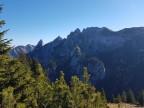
{"x": 21, "y": 49}
{"x": 115, "y": 59}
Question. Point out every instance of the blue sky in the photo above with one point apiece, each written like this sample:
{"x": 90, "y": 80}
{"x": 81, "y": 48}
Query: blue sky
{"x": 32, "y": 20}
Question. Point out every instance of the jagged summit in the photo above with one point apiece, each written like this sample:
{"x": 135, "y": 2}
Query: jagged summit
{"x": 90, "y": 30}
{"x": 39, "y": 45}
{"x": 58, "y": 39}
{"x": 77, "y": 31}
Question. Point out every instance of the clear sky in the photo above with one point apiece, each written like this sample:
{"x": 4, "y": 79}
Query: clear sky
{"x": 32, "y": 20}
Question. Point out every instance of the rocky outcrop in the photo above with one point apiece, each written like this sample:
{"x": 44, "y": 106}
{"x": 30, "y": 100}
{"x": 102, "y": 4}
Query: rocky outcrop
{"x": 39, "y": 45}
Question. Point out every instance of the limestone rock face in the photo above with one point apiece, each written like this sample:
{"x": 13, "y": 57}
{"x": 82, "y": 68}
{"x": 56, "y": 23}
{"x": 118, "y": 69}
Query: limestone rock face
{"x": 113, "y": 58}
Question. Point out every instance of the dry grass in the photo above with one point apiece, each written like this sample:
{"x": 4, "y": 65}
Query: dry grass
{"x": 123, "y": 105}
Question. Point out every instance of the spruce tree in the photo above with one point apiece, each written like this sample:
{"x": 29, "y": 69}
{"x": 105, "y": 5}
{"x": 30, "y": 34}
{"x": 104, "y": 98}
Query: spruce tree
{"x": 103, "y": 96}
{"x": 76, "y": 97}
{"x": 16, "y": 75}
{"x": 36, "y": 68}
{"x": 4, "y": 43}
{"x": 86, "y": 76}
{"x": 83, "y": 94}
{"x": 131, "y": 97}
{"x": 8, "y": 100}
{"x": 61, "y": 97}
{"x": 141, "y": 98}
{"x": 42, "y": 86}
{"x": 124, "y": 97}
{"x": 113, "y": 99}
{"x": 118, "y": 98}
{"x": 97, "y": 101}
{"x": 88, "y": 90}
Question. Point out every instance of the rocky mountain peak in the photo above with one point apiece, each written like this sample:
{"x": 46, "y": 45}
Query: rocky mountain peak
{"x": 77, "y": 31}
{"x": 39, "y": 45}
{"x": 74, "y": 34}
{"x": 57, "y": 39}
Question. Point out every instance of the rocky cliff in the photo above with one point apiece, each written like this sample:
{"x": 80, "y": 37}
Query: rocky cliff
{"x": 114, "y": 58}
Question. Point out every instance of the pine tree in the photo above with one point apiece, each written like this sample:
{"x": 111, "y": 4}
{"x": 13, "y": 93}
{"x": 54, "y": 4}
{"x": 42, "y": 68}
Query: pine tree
{"x": 8, "y": 100}
{"x": 97, "y": 101}
{"x": 103, "y": 96}
{"x": 118, "y": 98}
{"x": 103, "y": 93}
{"x": 4, "y": 43}
{"x": 42, "y": 85}
{"x": 75, "y": 94}
{"x": 36, "y": 68}
{"x": 113, "y": 99}
{"x": 24, "y": 85}
{"x": 23, "y": 59}
{"x": 83, "y": 95}
{"x": 61, "y": 98}
{"x": 86, "y": 76}
{"x": 141, "y": 98}
{"x": 124, "y": 97}
{"x": 14, "y": 74}
{"x": 131, "y": 97}
{"x": 88, "y": 90}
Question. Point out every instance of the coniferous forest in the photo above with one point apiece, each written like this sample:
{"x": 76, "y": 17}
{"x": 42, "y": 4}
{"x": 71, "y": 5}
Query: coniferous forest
{"x": 24, "y": 83}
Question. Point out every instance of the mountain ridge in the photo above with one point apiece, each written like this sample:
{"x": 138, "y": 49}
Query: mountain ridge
{"x": 112, "y": 57}
{"x": 21, "y": 49}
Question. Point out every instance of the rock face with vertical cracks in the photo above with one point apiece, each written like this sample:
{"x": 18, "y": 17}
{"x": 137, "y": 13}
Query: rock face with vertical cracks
{"x": 113, "y": 58}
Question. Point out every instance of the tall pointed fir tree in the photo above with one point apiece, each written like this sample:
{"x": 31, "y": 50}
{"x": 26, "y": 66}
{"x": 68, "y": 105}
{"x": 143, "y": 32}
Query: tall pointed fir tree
{"x": 4, "y": 43}
{"x": 131, "y": 97}
{"x": 141, "y": 98}
{"x": 4, "y": 48}
{"x": 118, "y": 98}
{"x": 103, "y": 96}
{"x": 113, "y": 100}
{"x": 43, "y": 88}
{"x": 124, "y": 97}
{"x": 88, "y": 90}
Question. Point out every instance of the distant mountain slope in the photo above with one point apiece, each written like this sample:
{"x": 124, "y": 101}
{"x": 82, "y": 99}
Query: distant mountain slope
{"x": 21, "y": 49}
{"x": 115, "y": 59}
